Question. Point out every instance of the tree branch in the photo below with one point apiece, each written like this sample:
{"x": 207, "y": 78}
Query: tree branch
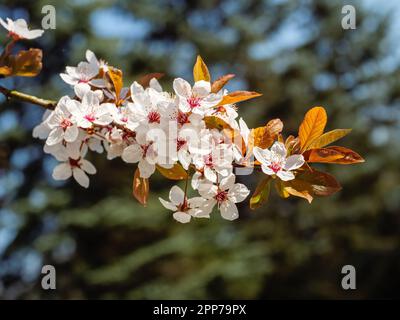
{"x": 13, "y": 94}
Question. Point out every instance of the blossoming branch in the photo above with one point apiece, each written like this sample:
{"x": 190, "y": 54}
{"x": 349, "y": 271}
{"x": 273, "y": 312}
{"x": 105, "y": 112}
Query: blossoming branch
{"x": 193, "y": 134}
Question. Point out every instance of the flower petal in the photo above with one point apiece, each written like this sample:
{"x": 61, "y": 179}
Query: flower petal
{"x": 176, "y": 195}
{"x": 184, "y": 158}
{"x": 62, "y": 171}
{"x": 132, "y": 154}
{"x": 262, "y": 155}
{"x": 71, "y": 133}
{"x": 228, "y": 210}
{"x": 294, "y": 162}
{"x": 68, "y": 79}
{"x": 146, "y": 169}
{"x": 267, "y": 170}
{"x": 55, "y": 136}
{"x": 227, "y": 182}
{"x": 168, "y": 205}
{"x": 201, "y": 89}
{"x": 182, "y": 217}
{"x": 80, "y": 177}
{"x": 88, "y": 167}
{"x": 182, "y": 88}
{"x": 285, "y": 175}
{"x": 208, "y": 190}
{"x": 80, "y": 89}
{"x": 279, "y": 149}
{"x": 238, "y": 192}
{"x": 210, "y": 174}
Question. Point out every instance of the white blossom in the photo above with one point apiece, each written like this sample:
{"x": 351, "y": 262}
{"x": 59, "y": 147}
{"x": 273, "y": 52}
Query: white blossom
{"x": 226, "y": 194}
{"x": 197, "y": 99}
{"x": 18, "y": 29}
{"x": 184, "y": 208}
{"x": 276, "y": 162}
{"x": 77, "y": 166}
{"x": 89, "y": 111}
{"x": 61, "y": 124}
{"x": 85, "y": 72}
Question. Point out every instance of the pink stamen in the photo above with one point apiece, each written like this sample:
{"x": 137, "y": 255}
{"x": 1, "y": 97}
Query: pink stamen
{"x": 90, "y": 117}
{"x": 154, "y": 117}
{"x": 74, "y": 163}
{"x": 275, "y": 167}
{"x": 208, "y": 160}
{"x": 193, "y": 102}
{"x": 15, "y": 36}
{"x": 145, "y": 148}
{"x": 180, "y": 143}
{"x": 127, "y": 135}
{"x": 65, "y": 123}
{"x": 182, "y": 118}
{"x": 221, "y": 196}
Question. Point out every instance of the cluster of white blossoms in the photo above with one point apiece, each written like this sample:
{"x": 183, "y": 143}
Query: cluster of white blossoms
{"x": 150, "y": 127}
{"x": 192, "y": 133}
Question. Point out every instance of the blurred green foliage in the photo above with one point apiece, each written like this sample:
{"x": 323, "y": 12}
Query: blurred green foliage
{"x": 104, "y": 245}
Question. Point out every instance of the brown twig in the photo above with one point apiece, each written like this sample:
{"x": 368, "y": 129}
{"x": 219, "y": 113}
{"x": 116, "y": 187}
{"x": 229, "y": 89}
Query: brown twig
{"x": 13, "y": 94}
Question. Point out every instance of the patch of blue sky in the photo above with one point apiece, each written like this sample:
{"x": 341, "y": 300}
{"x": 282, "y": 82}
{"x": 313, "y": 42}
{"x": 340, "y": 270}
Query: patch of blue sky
{"x": 9, "y": 181}
{"x": 113, "y": 22}
{"x": 37, "y": 198}
{"x": 22, "y": 157}
{"x": 8, "y": 121}
{"x": 9, "y": 224}
{"x": 182, "y": 65}
{"x": 294, "y": 32}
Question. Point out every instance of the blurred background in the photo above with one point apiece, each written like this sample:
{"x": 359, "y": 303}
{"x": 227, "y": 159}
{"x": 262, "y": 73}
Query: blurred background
{"x": 105, "y": 246}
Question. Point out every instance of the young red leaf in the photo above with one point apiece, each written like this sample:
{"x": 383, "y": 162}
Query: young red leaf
{"x": 238, "y": 96}
{"x": 145, "y": 80}
{"x": 333, "y": 154}
{"x": 115, "y": 76}
{"x": 200, "y": 71}
{"x": 24, "y": 63}
{"x": 175, "y": 173}
{"x": 264, "y": 137}
{"x": 140, "y": 188}
{"x": 261, "y": 193}
{"x": 322, "y": 183}
{"x": 312, "y": 126}
{"x": 218, "y": 84}
{"x": 328, "y": 138}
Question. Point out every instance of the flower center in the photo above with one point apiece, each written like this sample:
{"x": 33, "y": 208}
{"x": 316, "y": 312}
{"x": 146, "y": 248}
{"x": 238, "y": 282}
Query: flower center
{"x": 90, "y": 117}
{"x": 128, "y": 135}
{"x": 275, "y": 167}
{"x": 221, "y": 196}
{"x": 90, "y": 131}
{"x": 145, "y": 148}
{"x": 65, "y": 123}
{"x": 124, "y": 119}
{"x": 14, "y": 35}
{"x": 180, "y": 143}
{"x": 221, "y": 109}
{"x": 193, "y": 102}
{"x": 153, "y": 116}
{"x": 182, "y": 118}
{"x": 74, "y": 163}
{"x": 208, "y": 160}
